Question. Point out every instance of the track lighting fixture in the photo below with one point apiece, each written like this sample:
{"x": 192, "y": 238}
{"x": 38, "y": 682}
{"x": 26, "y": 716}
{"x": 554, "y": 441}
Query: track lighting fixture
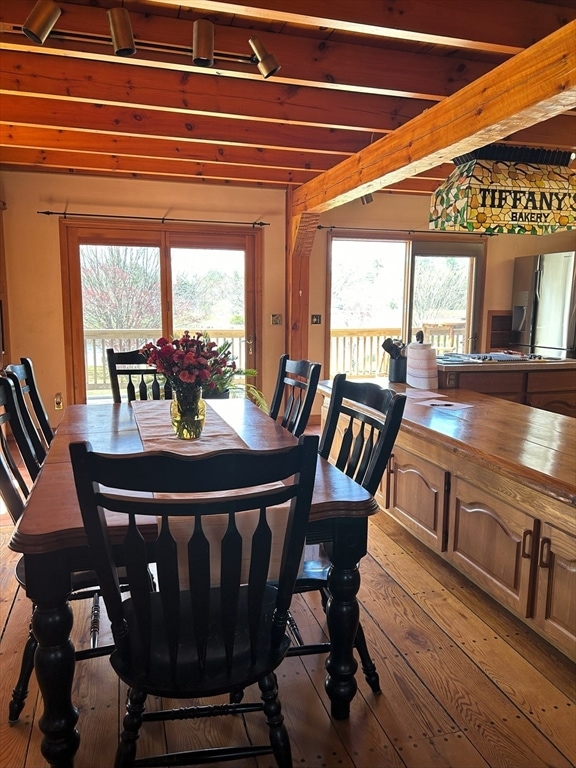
{"x": 203, "y": 43}
{"x": 41, "y": 21}
{"x": 121, "y": 31}
{"x": 267, "y": 63}
{"x": 46, "y": 13}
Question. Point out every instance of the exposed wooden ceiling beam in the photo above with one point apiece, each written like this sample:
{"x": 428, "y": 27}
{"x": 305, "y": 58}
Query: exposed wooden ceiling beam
{"x": 306, "y": 61}
{"x": 491, "y": 25}
{"x": 537, "y": 84}
{"x": 74, "y": 99}
{"x": 147, "y": 87}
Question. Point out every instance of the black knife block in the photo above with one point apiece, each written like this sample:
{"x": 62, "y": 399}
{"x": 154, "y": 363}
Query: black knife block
{"x": 397, "y": 370}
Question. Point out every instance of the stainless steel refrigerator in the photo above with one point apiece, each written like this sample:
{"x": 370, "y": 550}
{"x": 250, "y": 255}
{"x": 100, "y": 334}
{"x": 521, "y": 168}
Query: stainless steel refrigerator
{"x": 544, "y": 305}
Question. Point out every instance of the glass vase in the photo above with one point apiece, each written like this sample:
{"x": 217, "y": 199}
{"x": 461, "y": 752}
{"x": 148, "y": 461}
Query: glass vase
{"x": 188, "y": 413}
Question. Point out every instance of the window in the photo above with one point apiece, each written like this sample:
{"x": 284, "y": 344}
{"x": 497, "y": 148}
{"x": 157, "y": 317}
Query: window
{"x": 381, "y": 287}
{"x": 126, "y": 285}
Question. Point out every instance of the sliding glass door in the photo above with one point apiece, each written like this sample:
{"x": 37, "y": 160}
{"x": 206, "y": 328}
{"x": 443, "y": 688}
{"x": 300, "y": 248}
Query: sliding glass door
{"x": 380, "y": 288}
{"x": 125, "y": 287}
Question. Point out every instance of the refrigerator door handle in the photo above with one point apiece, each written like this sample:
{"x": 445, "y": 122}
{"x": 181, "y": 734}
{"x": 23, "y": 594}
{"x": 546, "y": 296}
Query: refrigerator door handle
{"x": 537, "y": 283}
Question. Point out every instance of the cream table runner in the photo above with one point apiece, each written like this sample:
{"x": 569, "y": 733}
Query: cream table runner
{"x": 156, "y": 433}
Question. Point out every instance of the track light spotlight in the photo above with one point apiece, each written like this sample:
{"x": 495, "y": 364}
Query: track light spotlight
{"x": 203, "y": 43}
{"x": 267, "y": 63}
{"x": 121, "y": 31}
{"x": 41, "y": 21}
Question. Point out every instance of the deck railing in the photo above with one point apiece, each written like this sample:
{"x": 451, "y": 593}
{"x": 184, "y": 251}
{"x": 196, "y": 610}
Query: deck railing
{"x": 355, "y": 351}
{"x": 123, "y": 339}
{"x": 358, "y": 351}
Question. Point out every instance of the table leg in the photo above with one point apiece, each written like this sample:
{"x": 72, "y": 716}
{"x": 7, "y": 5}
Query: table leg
{"x": 342, "y": 612}
{"x": 48, "y": 586}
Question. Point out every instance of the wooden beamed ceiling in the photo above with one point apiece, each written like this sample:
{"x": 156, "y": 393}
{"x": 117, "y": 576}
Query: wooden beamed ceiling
{"x": 352, "y": 75}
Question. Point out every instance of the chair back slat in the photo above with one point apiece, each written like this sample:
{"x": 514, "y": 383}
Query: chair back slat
{"x": 209, "y": 621}
{"x": 169, "y": 585}
{"x": 294, "y": 394}
{"x": 199, "y": 575}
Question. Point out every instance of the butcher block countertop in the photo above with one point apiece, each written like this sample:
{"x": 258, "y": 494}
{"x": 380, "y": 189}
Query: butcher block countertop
{"x": 493, "y": 440}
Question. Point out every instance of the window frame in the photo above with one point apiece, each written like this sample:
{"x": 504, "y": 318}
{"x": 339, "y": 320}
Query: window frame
{"x": 418, "y": 244}
{"x": 78, "y": 231}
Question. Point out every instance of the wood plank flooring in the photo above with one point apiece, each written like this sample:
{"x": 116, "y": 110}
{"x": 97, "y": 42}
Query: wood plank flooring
{"x": 465, "y": 685}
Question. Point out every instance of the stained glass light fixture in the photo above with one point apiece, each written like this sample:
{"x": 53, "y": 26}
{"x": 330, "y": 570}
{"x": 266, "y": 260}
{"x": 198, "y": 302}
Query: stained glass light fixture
{"x": 507, "y": 190}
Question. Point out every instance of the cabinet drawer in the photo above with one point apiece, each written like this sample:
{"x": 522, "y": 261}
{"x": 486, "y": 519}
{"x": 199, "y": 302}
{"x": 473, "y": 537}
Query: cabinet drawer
{"x": 493, "y": 543}
{"x": 551, "y": 381}
{"x": 492, "y": 382}
{"x": 556, "y": 402}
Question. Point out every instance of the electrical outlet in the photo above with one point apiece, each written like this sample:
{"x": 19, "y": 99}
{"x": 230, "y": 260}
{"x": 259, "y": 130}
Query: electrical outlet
{"x": 58, "y": 404}
{"x": 316, "y": 319}
{"x": 276, "y": 319}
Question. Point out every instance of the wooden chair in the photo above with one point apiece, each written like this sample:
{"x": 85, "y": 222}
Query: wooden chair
{"x": 296, "y": 386}
{"x": 359, "y": 442}
{"x": 128, "y": 365}
{"x": 202, "y": 634}
{"x": 19, "y": 466}
{"x": 29, "y": 397}
{"x": 28, "y": 449}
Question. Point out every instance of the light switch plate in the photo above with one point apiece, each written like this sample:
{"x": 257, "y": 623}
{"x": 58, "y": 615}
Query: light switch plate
{"x": 276, "y": 319}
{"x": 316, "y": 319}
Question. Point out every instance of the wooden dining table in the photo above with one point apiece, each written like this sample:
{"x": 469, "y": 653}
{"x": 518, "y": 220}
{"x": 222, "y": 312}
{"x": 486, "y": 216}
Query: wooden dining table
{"x": 51, "y": 536}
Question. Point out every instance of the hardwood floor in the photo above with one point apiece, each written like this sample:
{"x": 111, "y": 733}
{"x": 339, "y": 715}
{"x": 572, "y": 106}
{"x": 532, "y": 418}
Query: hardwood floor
{"x": 465, "y": 685}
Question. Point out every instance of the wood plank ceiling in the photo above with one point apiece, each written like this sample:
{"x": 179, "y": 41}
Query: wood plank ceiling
{"x": 351, "y": 73}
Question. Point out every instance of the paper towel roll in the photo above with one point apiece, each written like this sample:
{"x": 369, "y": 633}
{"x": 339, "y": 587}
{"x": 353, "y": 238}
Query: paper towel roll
{"x": 421, "y": 368}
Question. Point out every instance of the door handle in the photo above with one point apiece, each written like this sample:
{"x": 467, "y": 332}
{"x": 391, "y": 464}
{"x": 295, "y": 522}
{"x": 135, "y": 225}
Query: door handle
{"x": 544, "y": 559}
{"x": 526, "y": 540}
{"x": 250, "y": 345}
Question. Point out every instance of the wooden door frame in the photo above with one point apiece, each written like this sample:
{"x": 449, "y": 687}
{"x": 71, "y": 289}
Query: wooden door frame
{"x": 74, "y": 232}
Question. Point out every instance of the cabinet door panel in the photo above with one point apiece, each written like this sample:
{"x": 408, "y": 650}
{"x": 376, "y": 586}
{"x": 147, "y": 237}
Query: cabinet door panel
{"x": 556, "y": 588}
{"x": 557, "y": 402}
{"x": 418, "y": 496}
{"x": 493, "y": 543}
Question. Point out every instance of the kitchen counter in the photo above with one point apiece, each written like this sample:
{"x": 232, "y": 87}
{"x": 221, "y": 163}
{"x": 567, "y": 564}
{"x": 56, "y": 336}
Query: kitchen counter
{"x": 546, "y": 384}
{"x": 447, "y": 366}
{"x": 490, "y": 485}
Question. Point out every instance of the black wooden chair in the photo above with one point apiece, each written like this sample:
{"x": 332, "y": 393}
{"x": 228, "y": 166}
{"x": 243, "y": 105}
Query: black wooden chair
{"x": 296, "y": 386}
{"x": 27, "y": 452}
{"x": 131, "y": 367}
{"x": 19, "y": 466}
{"x": 202, "y": 634}
{"x": 29, "y": 397}
{"x": 366, "y": 438}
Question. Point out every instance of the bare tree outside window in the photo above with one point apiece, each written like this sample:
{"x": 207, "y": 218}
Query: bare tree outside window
{"x": 120, "y": 286}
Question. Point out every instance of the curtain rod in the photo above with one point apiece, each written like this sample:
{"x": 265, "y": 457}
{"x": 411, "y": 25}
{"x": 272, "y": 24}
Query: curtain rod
{"x": 163, "y": 219}
{"x": 408, "y": 231}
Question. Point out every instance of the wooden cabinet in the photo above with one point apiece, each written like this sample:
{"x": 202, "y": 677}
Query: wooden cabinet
{"x": 507, "y": 384}
{"x": 555, "y": 603}
{"x": 490, "y": 487}
{"x": 551, "y": 388}
{"x": 552, "y": 393}
{"x": 418, "y": 496}
{"x": 493, "y": 543}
